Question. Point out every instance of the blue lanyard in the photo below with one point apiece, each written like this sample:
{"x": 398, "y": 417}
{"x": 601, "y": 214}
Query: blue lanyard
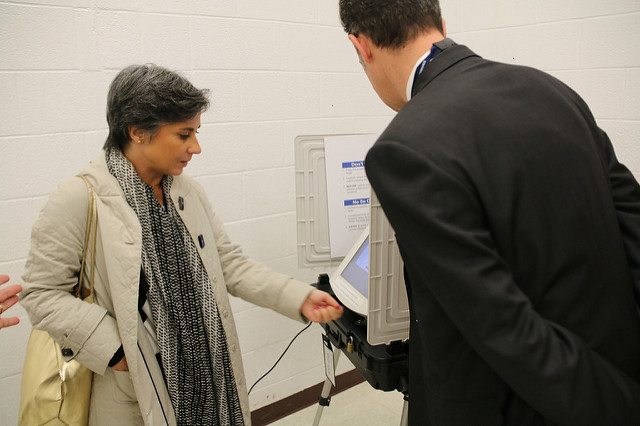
{"x": 432, "y": 54}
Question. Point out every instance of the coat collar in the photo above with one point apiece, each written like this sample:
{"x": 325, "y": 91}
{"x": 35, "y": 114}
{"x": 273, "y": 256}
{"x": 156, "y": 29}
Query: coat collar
{"x": 452, "y": 54}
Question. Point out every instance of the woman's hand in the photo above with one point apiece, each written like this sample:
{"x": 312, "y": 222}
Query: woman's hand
{"x": 122, "y": 365}
{"x": 321, "y": 307}
{"x": 8, "y": 298}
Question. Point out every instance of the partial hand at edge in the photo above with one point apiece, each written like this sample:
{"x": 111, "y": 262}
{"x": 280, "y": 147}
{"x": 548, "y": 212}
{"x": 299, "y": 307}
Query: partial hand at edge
{"x": 8, "y": 298}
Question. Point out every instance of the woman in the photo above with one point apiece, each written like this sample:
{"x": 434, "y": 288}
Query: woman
{"x": 161, "y": 318}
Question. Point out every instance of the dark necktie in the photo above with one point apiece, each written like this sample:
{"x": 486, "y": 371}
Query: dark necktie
{"x": 433, "y": 53}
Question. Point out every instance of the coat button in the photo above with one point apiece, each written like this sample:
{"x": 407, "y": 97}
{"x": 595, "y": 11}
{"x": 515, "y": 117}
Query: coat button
{"x": 214, "y": 279}
{"x": 67, "y": 352}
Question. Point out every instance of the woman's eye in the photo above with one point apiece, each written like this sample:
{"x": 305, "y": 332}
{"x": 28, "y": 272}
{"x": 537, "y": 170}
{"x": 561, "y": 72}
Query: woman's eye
{"x": 184, "y": 137}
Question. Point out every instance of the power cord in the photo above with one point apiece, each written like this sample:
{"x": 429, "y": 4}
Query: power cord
{"x": 285, "y": 351}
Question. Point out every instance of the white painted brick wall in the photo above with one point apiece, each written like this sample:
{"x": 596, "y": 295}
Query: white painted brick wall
{"x": 280, "y": 10}
{"x": 277, "y": 69}
{"x": 23, "y": 30}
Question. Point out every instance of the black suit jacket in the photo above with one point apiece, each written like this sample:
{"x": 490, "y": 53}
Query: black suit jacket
{"x": 519, "y": 230}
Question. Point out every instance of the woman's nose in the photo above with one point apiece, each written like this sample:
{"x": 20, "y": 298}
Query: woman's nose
{"x": 195, "y": 146}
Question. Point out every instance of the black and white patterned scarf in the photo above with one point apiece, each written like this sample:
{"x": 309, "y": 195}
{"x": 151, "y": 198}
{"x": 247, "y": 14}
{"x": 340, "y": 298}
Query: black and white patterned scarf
{"x": 192, "y": 341}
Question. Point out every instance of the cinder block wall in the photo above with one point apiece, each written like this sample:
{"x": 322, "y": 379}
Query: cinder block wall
{"x": 277, "y": 69}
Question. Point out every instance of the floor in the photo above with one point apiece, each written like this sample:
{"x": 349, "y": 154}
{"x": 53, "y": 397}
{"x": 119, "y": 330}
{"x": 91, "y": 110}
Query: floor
{"x": 359, "y": 405}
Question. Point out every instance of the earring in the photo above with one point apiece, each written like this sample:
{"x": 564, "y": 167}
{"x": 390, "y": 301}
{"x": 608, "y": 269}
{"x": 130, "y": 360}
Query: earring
{"x": 140, "y": 140}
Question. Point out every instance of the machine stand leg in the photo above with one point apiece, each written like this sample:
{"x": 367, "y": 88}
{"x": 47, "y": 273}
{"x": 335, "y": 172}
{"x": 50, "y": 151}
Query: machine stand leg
{"x": 325, "y": 399}
{"x": 404, "y": 421}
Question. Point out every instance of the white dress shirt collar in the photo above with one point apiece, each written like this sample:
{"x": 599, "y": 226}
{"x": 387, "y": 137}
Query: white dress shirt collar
{"x": 412, "y": 76}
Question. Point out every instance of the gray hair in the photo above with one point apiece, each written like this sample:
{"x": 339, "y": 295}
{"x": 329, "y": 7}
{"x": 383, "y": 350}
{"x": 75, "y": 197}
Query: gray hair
{"x": 149, "y": 96}
{"x": 390, "y": 23}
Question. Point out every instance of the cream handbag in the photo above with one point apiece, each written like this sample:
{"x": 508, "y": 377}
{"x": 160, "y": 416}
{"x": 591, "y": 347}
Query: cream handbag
{"x": 55, "y": 392}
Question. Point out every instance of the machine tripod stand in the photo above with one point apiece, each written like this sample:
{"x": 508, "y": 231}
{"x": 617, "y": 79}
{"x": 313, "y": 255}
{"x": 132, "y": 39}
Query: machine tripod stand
{"x": 385, "y": 367}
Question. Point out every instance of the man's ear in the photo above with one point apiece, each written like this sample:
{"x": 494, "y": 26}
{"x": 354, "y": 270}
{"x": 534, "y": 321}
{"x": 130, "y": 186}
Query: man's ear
{"x": 363, "y": 46}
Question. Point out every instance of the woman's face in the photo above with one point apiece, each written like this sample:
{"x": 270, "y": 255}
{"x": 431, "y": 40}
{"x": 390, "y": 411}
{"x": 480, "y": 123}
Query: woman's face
{"x": 167, "y": 152}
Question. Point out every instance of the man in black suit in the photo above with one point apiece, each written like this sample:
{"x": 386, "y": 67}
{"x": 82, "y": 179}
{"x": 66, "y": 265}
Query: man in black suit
{"x": 518, "y": 227}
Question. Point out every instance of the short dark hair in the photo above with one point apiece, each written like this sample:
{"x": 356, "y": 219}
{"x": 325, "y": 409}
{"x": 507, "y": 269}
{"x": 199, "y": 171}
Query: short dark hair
{"x": 149, "y": 96}
{"x": 390, "y": 23}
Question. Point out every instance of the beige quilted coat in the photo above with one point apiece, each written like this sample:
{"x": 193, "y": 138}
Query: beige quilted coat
{"x": 92, "y": 333}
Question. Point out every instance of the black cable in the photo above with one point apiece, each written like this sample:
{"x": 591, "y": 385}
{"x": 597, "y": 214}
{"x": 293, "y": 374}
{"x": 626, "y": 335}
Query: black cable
{"x": 285, "y": 351}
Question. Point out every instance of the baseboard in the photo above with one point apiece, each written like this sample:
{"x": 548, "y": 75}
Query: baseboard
{"x": 296, "y": 402}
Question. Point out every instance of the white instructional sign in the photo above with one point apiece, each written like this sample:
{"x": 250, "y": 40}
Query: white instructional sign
{"x": 348, "y": 190}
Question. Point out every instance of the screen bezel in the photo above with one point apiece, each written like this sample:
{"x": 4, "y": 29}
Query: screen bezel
{"x": 348, "y": 295}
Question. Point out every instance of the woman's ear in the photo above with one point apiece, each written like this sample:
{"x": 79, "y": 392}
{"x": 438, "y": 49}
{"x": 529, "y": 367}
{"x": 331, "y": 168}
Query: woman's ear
{"x": 136, "y": 134}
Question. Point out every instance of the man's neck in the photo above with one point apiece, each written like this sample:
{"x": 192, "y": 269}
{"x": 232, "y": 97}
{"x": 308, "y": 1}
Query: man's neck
{"x": 402, "y": 61}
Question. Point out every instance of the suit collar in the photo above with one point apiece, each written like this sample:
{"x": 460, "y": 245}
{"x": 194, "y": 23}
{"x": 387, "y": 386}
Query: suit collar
{"x": 452, "y": 54}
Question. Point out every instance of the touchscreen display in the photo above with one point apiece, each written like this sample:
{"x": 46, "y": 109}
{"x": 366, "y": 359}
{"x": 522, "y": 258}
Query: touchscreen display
{"x": 357, "y": 270}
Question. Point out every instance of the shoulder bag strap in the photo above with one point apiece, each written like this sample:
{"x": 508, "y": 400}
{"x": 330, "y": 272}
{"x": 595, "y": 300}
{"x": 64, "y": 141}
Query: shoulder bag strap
{"x": 89, "y": 238}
